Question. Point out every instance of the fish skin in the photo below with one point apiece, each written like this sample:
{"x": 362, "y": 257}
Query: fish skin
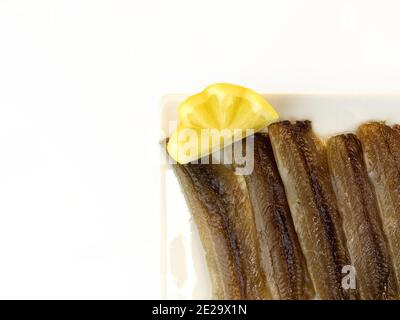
{"x": 366, "y": 241}
{"x": 281, "y": 256}
{"x": 223, "y": 214}
{"x": 381, "y": 146}
{"x": 302, "y": 163}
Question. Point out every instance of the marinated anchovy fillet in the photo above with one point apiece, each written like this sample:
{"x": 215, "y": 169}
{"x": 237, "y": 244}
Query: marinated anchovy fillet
{"x": 223, "y": 214}
{"x": 281, "y": 254}
{"x": 381, "y": 145}
{"x": 302, "y": 163}
{"x": 362, "y": 225}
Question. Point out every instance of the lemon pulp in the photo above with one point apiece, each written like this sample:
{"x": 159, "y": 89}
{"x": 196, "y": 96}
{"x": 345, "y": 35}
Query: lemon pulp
{"x": 219, "y": 115}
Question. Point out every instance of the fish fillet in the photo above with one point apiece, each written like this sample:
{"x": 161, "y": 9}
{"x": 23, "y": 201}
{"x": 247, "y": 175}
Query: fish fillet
{"x": 381, "y": 145}
{"x": 281, "y": 254}
{"x": 303, "y": 166}
{"x": 223, "y": 214}
{"x": 362, "y": 225}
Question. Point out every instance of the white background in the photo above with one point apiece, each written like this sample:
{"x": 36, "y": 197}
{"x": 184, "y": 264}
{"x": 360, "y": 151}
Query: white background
{"x": 80, "y": 84}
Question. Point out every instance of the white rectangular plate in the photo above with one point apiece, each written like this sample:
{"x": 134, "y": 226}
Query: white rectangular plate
{"x": 184, "y": 270}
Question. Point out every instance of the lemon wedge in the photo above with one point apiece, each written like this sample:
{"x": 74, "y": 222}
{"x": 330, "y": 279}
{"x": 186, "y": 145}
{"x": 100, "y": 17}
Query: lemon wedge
{"x": 216, "y": 117}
